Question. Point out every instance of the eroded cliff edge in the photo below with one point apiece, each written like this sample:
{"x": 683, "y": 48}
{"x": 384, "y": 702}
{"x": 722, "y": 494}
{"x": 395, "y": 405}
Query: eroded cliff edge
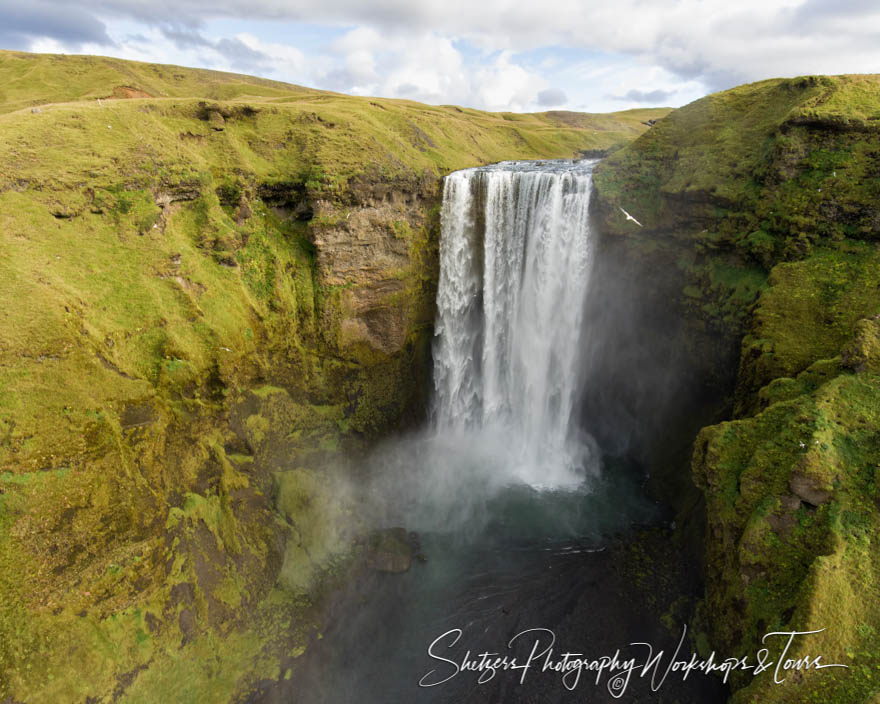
{"x": 210, "y": 282}
{"x": 760, "y": 209}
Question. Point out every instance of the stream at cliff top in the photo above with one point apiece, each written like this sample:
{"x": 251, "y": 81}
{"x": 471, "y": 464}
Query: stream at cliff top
{"x": 518, "y": 510}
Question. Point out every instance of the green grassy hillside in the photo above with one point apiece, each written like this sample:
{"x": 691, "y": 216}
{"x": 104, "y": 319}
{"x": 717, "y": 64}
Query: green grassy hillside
{"x": 36, "y": 79}
{"x": 766, "y": 200}
{"x": 29, "y": 81}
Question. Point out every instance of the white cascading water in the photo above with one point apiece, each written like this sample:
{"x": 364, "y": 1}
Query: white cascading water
{"x": 515, "y": 258}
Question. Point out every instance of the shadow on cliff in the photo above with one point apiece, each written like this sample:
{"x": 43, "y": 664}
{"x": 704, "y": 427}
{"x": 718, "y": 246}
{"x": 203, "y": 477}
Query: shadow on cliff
{"x": 652, "y": 377}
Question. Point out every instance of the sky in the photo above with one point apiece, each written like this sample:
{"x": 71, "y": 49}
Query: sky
{"x": 586, "y": 55}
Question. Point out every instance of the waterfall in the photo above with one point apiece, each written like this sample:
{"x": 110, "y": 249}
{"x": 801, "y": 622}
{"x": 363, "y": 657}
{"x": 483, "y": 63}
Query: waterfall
{"x": 515, "y": 257}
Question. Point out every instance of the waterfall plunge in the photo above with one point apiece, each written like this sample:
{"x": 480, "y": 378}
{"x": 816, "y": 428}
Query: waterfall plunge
{"x": 515, "y": 257}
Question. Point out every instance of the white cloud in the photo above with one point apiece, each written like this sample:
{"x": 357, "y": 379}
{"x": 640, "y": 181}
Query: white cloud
{"x": 429, "y": 68}
{"x": 284, "y": 58}
{"x": 506, "y": 85}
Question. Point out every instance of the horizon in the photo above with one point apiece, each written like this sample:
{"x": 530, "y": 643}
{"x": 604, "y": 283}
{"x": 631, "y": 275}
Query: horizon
{"x": 340, "y": 93}
{"x": 645, "y": 107}
{"x": 558, "y": 57}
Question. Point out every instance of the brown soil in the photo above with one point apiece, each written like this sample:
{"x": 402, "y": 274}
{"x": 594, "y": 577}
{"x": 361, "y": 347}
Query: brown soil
{"x": 128, "y": 92}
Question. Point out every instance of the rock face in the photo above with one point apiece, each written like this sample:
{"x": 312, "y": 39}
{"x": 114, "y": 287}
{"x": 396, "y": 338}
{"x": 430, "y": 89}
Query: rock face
{"x": 169, "y": 498}
{"x": 367, "y": 247}
{"x": 809, "y": 490}
{"x": 764, "y": 200}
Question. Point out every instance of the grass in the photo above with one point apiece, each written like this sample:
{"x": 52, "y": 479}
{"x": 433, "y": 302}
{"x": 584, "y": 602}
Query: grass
{"x": 809, "y": 313}
{"x": 323, "y": 137}
{"x": 37, "y": 79}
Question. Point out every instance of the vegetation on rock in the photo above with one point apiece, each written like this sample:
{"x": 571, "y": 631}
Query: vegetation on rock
{"x": 765, "y": 200}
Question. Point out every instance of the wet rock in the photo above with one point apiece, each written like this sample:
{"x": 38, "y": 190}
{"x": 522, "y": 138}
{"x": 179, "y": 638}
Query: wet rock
{"x": 790, "y": 503}
{"x": 243, "y": 213}
{"x": 784, "y": 520}
{"x": 187, "y": 623}
{"x": 392, "y": 550}
{"x": 368, "y": 249}
{"x": 136, "y": 415}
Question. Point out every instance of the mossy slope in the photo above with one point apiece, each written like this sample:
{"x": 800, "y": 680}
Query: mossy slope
{"x": 766, "y": 199}
{"x": 210, "y": 282}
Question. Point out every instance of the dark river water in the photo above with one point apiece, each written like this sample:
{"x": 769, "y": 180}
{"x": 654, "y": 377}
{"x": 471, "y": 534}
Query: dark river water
{"x": 530, "y": 569}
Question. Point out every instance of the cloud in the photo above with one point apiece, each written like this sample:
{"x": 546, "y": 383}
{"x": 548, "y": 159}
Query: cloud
{"x": 66, "y": 24}
{"x": 426, "y": 67}
{"x": 505, "y": 85}
{"x": 655, "y": 97}
{"x": 185, "y": 38}
{"x": 233, "y": 50}
{"x": 714, "y": 41}
{"x": 242, "y": 52}
{"x": 815, "y": 14}
{"x": 551, "y": 97}
{"x": 240, "y": 55}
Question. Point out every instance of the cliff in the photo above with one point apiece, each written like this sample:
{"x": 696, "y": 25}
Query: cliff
{"x": 210, "y": 283}
{"x": 760, "y": 208}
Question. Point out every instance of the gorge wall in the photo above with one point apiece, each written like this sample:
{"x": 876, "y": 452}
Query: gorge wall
{"x": 760, "y": 218}
{"x": 214, "y": 283}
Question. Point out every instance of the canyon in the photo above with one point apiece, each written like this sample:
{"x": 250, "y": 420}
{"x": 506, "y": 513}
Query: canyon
{"x": 215, "y": 286}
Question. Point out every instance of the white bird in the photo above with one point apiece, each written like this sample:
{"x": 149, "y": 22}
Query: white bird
{"x": 630, "y": 217}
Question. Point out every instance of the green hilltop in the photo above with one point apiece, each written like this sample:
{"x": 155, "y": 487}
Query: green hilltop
{"x": 400, "y": 133}
{"x": 37, "y": 79}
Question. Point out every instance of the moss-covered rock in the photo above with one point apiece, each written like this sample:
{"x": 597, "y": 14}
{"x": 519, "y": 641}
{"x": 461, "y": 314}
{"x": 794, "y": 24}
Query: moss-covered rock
{"x": 774, "y": 187}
